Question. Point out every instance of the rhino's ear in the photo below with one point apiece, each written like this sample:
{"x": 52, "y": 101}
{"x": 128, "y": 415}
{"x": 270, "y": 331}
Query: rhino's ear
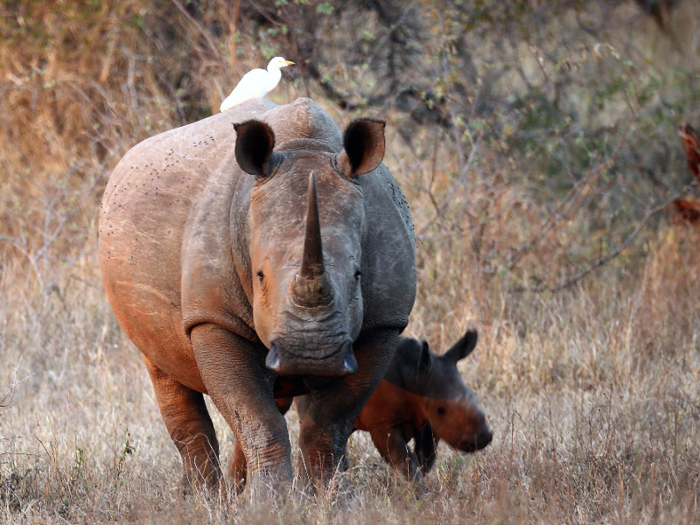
{"x": 463, "y": 347}
{"x": 254, "y": 143}
{"x": 363, "y": 147}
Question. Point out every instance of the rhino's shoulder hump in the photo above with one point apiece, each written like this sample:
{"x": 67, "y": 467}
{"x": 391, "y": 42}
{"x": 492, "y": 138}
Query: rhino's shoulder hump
{"x": 304, "y": 125}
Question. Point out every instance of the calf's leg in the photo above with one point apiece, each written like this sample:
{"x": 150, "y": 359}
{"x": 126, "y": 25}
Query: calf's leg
{"x": 425, "y": 443}
{"x": 393, "y": 447}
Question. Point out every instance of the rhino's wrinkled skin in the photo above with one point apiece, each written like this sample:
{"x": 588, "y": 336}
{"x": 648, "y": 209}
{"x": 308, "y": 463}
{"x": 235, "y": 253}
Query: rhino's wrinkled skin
{"x": 269, "y": 261}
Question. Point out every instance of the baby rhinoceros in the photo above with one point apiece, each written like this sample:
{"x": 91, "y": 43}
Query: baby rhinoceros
{"x": 423, "y": 397}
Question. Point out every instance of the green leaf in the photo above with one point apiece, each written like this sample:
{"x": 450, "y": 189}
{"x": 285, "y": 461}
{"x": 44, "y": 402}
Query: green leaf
{"x": 325, "y": 8}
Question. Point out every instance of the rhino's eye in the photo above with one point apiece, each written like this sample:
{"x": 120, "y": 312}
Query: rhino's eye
{"x": 261, "y": 276}
{"x": 357, "y": 274}
{"x": 441, "y": 411}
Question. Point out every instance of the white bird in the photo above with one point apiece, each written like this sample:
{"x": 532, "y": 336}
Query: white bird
{"x": 256, "y": 83}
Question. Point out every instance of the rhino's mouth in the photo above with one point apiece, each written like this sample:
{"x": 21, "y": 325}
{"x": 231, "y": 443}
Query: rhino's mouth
{"x": 478, "y": 442}
{"x": 331, "y": 360}
{"x": 315, "y": 344}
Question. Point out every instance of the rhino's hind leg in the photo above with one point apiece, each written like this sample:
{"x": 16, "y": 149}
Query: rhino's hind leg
{"x": 238, "y": 470}
{"x": 190, "y": 427}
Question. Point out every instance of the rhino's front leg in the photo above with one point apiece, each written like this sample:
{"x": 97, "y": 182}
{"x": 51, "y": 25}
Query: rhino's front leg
{"x": 238, "y": 470}
{"x": 425, "y": 447}
{"x": 233, "y": 370}
{"x": 333, "y": 408}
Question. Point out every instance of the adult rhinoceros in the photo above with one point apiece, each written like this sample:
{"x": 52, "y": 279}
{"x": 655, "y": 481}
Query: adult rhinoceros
{"x": 274, "y": 260}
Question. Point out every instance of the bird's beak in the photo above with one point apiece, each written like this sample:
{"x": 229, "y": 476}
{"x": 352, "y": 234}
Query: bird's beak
{"x": 289, "y": 63}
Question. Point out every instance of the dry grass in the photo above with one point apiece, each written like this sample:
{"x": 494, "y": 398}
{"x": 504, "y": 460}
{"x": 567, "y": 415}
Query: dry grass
{"x": 592, "y": 392}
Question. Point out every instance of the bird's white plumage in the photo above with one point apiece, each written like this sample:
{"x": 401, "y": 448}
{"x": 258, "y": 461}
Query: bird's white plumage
{"x": 256, "y": 83}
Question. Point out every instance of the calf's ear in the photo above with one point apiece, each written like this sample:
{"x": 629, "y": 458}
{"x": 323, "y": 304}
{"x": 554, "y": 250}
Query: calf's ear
{"x": 463, "y": 347}
{"x": 424, "y": 361}
{"x": 363, "y": 147}
{"x": 254, "y": 143}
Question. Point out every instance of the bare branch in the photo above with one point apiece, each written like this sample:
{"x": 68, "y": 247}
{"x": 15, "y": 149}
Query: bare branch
{"x": 7, "y": 397}
{"x": 21, "y": 249}
{"x": 568, "y": 202}
{"x": 601, "y": 261}
{"x": 199, "y": 27}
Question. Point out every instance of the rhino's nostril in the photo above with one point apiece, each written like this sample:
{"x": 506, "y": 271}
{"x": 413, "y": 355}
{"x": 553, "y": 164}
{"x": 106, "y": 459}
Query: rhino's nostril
{"x": 272, "y": 361}
{"x": 350, "y": 363}
{"x": 483, "y": 439}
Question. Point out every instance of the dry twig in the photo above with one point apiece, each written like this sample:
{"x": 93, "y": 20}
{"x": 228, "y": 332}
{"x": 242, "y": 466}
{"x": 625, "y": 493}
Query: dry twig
{"x": 601, "y": 261}
{"x": 567, "y": 203}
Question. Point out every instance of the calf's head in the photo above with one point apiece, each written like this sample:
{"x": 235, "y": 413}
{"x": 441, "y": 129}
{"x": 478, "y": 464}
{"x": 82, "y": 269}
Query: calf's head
{"x": 451, "y": 409}
{"x": 307, "y": 224}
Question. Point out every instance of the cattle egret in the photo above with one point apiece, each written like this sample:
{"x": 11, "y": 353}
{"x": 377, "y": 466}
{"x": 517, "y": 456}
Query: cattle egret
{"x": 256, "y": 83}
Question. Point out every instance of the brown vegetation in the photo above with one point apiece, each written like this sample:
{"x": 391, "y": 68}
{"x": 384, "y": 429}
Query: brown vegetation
{"x": 686, "y": 210}
{"x": 691, "y": 145}
{"x": 536, "y": 143}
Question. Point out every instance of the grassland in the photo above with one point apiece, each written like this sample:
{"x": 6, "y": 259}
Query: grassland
{"x": 592, "y": 390}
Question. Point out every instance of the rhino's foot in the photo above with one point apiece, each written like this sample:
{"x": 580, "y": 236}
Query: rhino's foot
{"x": 212, "y": 488}
{"x": 273, "y": 485}
{"x": 337, "y": 492}
{"x": 238, "y": 469}
{"x": 411, "y": 482}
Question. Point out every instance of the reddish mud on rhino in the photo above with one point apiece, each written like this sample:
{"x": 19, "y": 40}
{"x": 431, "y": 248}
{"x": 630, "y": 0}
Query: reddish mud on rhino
{"x": 422, "y": 397}
{"x": 270, "y": 261}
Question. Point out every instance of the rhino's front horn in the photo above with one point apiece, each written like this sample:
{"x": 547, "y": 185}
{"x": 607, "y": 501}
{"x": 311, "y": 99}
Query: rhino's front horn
{"x": 312, "y": 260}
{"x": 311, "y": 287}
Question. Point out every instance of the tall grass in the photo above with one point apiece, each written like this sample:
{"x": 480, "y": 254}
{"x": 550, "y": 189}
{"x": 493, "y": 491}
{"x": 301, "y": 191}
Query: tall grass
{"x": 591, "y": 391}
{"x": 592, "y": 394}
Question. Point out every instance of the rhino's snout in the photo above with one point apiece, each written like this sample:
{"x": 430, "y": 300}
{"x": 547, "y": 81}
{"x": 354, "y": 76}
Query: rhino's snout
{"x": 339, "y": 362}
{"x": 272, "y": 361}
{"x": 483, "y": 439}
{"x": 478, "y": 442}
